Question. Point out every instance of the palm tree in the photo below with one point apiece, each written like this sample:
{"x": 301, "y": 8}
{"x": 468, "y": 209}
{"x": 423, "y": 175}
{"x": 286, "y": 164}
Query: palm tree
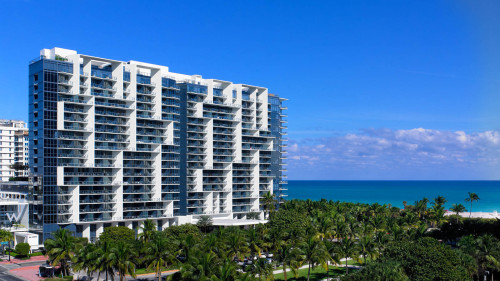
{"x": 254, "y": 242}
{"x": 367, "y": 248}
{"x": 122, "y": 256}
{"x": 237, "y": 245}
{"x": 439, "y": 201}
{"x": 6, "y": 236}
{"x": 472, "y": 197}
{"x": 205, "y": 222}
{"x": 333, "y": 254}
{"x": 286, "y": 253}
{"x": 315, "y": 254}
{"x": 437, "y": 215}
{"x": 493, "y": 264}
{"x": 347, "y": 248}
{"x": 212, "y": 244}
{"x": 225, "y": 272}
{"x": 421, "y": 207}
{"x": 248, "y": 276}
{"x": 378, "y": 223}
{"x": 86, "y": 258}
{"x": 105, "y": 262}
{"x": 148, "y": 229}
{"x": 264, "y": 269}
{"x": 269, "y": 202}
{"x": 158, "y": 254}
{"x": 61, "y": 249}
{"x": 457, "y": 209}
{"x": 324, "y": 227}
{"x": 200, "y": 266}
{"x": 187, "y": 245}
{"x": 469, "y": 263}
{"x": 487, "y": 246}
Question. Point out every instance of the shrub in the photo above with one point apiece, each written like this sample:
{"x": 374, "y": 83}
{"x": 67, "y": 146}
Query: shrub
{"x": 253, "y": 216}
{"x": 178, "y": 232}
{"x": 117, "y": 233}
{"x": 427, "y": 259}
{"x": 379, "y": 271}
{"x": 23, "y": 249}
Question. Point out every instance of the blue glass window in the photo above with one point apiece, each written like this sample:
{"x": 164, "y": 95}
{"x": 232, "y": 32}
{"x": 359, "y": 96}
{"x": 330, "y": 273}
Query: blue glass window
{"x": 143, "y": 79}
{"x": 167, "y": 82}
{"x": 217, "y": 92}
{"x": 200, "y": 89}
{"x": 245, "y": 95}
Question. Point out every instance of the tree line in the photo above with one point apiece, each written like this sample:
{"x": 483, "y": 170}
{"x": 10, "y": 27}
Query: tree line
{"x": 414, "y": 243}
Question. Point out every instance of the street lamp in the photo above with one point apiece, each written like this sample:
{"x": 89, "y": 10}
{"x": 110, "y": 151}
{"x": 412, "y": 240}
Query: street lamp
{"x": 9, "y": 249}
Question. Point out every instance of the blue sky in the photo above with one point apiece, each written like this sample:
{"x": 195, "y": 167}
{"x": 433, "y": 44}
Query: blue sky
{"x": 356, "y": 73}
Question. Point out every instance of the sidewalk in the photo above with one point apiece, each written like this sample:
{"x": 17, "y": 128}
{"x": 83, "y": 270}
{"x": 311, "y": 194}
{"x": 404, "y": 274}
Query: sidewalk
{"x": 29, "y": 273}
{"x": 278, "y": 271}
{"x": 127, "y": 277}
{"x": 19, "y": 261}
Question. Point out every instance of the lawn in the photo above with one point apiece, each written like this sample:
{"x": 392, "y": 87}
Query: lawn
{"x": 317, "y": 274}
{"x": 146, "y": 271}
{"x": 66, "y": 278}
{"x": 349, "y": 262}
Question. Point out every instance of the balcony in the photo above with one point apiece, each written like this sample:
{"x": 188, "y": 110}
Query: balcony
{"x": 102, "y": 75}
{"x": 97, "y": 201}
{"x": 93, "y": 219}
{"x": 110, "y": 104}
{"x": 97, "y": 210}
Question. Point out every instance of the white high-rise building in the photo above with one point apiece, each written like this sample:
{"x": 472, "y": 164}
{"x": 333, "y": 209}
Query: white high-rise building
{"x": 115, "y": 143}
{"x": 13, "y": 149}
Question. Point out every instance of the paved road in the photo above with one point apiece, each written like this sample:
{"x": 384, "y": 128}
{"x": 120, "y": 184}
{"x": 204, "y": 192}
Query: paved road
{"x": 5, "y": 276}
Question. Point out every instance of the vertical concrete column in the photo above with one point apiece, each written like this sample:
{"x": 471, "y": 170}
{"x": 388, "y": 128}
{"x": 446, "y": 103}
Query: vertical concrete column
{"x": 165, "y": 224}
{"x": 128, "y": 224}
{"x": 86, "y": 231}
{"x": 99, "y": 230}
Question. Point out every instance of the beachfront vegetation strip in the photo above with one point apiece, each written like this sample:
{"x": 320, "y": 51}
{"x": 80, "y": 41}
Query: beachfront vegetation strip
{"x": 303, "y": 240}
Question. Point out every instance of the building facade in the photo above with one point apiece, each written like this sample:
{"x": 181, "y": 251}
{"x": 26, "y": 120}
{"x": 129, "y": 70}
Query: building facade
{"x": 13, "y": 150}
{"x": 14, "y": 206}
{"x": 115, "y": 143}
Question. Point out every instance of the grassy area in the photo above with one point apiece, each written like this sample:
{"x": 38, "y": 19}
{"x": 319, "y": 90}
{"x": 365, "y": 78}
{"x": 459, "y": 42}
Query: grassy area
{"x": 317, "y": 274}
{"x": 66, "y": 278}
{"x": 146, "y": 271}
{"x": 349, "y": 262}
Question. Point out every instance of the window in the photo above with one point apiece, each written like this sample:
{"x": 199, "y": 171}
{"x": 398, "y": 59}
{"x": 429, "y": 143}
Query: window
{"x": 36, "y": 77}
{"x": 234, "y": 94}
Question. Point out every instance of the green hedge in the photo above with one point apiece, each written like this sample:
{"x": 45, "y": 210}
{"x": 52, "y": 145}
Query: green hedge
{"x": 23, "y": 249}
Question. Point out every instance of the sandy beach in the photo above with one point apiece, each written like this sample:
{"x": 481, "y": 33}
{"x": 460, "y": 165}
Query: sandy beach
{"x": 484, "y": 215}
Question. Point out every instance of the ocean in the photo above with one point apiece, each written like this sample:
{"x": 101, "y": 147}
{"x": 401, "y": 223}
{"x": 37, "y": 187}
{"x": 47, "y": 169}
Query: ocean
{"x": 395, "y": 192}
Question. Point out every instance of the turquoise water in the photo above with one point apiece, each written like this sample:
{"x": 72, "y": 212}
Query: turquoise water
{"x": 395, "y": 192}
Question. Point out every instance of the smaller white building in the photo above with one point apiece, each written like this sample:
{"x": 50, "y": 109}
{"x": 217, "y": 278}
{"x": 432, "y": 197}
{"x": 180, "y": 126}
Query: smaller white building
{"x": 13, "y": 149}
{"x": 27, "y": 237}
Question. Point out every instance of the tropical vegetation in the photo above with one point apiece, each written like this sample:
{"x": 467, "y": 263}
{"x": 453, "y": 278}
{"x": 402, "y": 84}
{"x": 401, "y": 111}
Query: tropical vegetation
{"x": 310, "y": 239}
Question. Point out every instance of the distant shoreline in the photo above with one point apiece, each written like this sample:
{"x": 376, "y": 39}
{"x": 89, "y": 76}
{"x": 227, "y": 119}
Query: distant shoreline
{"x": 483, "y": 215}
{"x": 398, "y": 191}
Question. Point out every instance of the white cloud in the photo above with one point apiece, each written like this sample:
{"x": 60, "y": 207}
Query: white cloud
{"x": 394, "y": 150}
